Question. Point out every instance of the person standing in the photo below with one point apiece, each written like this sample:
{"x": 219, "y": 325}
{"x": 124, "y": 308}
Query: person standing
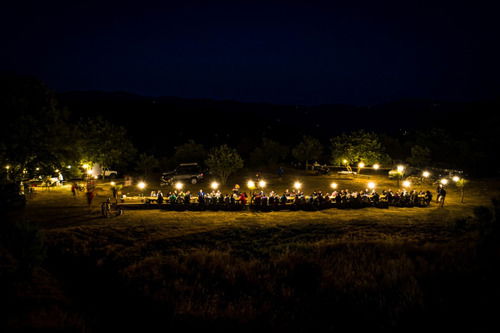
{"x": 438, "y": 190}
{"x": 201, "y": 197}
{"x": 90, "y": 193}
{"x": 441, "y": 196}
{"x": 159, "y": 198}
{"x": 74, "y": 189}
{"x": 114, "y": 190}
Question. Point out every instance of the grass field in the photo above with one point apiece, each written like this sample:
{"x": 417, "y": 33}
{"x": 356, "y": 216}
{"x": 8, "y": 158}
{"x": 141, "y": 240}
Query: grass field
{"x": 382, "y": 269}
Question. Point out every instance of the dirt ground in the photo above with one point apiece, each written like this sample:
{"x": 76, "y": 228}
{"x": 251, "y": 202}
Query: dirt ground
{"x": 57, "y": 209}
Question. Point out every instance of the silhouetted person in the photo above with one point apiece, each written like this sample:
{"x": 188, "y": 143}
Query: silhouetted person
{"x": 441, "y": 196}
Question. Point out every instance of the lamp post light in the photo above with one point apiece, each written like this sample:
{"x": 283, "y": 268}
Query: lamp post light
{"x": 297, "y": 185}
{"x": 371, "y": 185}
{"x": 334, "y": 186}
{"x": 444, "y": 181}
{"x": 251, "y": 187}
{"x": 179, "y": 186}
{"x": 425, "y": 175}
{"x": 262, "y": 184}
{"x": 376, "y": 166}
{"x": 406, "y": 184}
{"x": 460, "y": 182}
{"x": 361, "y": 165}
{"x": 141, "y": 186}
{"x": 401, "y": 171}
{"x": 214, "y": 185}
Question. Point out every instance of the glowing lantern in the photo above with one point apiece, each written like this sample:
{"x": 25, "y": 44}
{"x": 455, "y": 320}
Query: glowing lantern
{"x": 214, "y": 185}
{"x": 297, "y": 185}
{"x": 141, "y": 185}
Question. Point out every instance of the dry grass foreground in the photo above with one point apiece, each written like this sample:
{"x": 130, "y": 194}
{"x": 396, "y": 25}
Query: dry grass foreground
{"x": 378, "y": 268}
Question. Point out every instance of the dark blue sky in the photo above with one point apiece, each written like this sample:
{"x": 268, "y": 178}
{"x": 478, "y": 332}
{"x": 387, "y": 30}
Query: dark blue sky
{"x": 357, "y": 52}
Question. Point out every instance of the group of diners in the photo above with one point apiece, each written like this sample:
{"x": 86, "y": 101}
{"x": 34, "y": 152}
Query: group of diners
{"x": 293, "y": 200}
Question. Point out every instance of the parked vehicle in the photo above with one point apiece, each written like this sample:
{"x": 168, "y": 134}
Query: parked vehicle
{"x": 99, "y": 171}
{"x": 185, "y": 172}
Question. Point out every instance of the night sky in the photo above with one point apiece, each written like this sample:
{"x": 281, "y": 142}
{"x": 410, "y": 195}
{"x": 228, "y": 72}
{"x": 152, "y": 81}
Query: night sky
{"x": 355, "y": 52}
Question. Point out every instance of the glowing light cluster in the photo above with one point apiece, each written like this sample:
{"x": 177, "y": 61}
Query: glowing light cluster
{"x": 251, "y": 184}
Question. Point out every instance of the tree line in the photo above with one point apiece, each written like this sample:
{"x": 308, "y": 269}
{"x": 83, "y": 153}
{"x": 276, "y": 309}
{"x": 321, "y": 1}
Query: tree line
{"x": 37, "y": 134}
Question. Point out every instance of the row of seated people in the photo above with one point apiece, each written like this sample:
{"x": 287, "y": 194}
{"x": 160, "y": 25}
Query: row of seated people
{"x": 295, "y": 200}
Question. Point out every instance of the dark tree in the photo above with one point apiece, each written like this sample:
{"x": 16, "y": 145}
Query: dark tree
{"x": 358, "y": 146}
{"x": 105, "y": 143}
{"x": 224, "y": 161}
{"x": 34, "y": 132}
{"x": 189, "y": 152}
{"x": 309, "y": 149}
{"x": 269, "y": 153}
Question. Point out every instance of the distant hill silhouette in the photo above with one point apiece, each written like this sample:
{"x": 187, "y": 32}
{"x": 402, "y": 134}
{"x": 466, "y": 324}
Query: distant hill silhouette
{"x": 157, "y": 124}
